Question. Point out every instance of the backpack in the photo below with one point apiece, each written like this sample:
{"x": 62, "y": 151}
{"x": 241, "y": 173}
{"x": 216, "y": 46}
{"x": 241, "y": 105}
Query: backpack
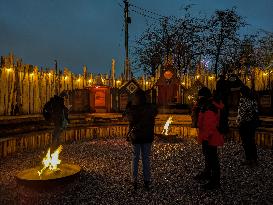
{"x": 52, "y": 108}
{"x": 48, "y": 110}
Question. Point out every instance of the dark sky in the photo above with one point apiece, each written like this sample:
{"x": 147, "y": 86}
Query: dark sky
{"x": 78, "y": 32}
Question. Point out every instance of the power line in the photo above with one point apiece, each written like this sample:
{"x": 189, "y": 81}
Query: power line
{"x": 147, "y": 16}
{"x": 147, "y": 11}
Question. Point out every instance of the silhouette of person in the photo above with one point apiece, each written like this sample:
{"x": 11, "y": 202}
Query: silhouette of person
{"x": 141, "y": 117}
{"x": 57, "y": 112}
{"x": 209, "y": 137}
{"x": 247, "y": 120}
{"x": 222, "y": 94}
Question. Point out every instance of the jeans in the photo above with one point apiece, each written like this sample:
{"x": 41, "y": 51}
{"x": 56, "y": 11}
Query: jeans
{"x": 247, "y": 132}
{"x": 145, "y": 150}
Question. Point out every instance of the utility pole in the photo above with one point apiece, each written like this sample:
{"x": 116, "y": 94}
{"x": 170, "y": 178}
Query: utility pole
{"x": 57, "y": 84}
{"x": 127, "y": 20}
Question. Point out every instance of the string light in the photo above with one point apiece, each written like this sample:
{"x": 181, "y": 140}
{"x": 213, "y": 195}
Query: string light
{"x": 9, "y": 70}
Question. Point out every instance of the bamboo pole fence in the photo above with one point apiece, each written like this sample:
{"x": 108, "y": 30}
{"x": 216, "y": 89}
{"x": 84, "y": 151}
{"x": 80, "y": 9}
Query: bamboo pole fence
{"x": 28, "y": 88}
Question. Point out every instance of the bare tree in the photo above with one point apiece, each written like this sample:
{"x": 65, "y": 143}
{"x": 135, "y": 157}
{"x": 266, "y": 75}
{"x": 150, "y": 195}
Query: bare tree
{"x": 223, "y": 37}
{"x": 181, "y": 39}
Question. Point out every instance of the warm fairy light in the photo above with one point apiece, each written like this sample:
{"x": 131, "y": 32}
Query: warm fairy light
{"x": 118, "y": 81}
{"x": 51, "y": 161}
{"x": 183, "y": 83}
{"x": 190, "y": 97}
{"x": 147, "y": 83}
{"x": 31, "y": 74}
{"x": 65, "y": 78}
{"x": 166, "y": 126}
{"x": 49, "y": 74}
{"x": 90, "y": 81}
{"x": 79, "y": 79}
{"x": 198, "y": 76}
{"x": 265, "y": 73}
{"x": 211, "y": 77}
{"x": 9, "y": 70}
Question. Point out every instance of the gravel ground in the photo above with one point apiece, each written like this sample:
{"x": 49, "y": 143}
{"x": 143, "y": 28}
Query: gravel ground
{"x": 105, "y": 176}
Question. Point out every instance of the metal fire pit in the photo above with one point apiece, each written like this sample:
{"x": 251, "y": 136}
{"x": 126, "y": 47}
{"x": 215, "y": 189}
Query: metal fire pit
{"x": 167, "y": 138}
{"x": 65, "y": 174}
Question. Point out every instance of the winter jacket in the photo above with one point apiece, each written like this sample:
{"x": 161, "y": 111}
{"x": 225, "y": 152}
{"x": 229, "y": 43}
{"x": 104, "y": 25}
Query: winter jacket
{"x": 141, "y": 122}
{"x": 247, "y": 110}
{"x": 208, "y": 123}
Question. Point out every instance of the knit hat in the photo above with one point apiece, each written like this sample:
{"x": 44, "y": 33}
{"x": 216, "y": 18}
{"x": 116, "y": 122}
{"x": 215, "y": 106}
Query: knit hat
{"x": 204, "y": 92}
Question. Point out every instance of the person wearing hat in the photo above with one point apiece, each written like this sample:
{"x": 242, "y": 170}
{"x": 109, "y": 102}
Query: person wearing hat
{"x": 210, "y": 138}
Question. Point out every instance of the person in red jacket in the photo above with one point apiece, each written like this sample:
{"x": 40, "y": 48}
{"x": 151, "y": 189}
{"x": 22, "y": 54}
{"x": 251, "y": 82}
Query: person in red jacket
{"x": 209, "y": 137}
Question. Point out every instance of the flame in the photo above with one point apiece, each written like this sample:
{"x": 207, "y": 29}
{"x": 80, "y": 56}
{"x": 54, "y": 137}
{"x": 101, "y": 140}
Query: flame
{"x": 166, "y": 126}
{"x": 51, "y": 161}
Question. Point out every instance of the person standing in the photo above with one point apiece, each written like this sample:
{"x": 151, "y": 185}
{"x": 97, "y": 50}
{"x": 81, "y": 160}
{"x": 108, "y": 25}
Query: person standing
{"x": 141, "y": 117}
{"x": 210, "y": 138}
{"x": 247, "y": 120}
{"x": 222, "y": 94}
{"x": 56, "y": 112}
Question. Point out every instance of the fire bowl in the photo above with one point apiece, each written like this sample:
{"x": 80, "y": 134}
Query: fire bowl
{"x": 65, "y": 174}
{"x": 167, "y": 138}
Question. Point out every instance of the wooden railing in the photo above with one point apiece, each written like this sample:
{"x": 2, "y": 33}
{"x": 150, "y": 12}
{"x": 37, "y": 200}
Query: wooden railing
{"x": 42, "y": 139}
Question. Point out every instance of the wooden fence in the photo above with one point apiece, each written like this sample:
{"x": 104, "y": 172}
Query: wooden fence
{"x": 36, "y": 140}
{"x": 25, "y": 89}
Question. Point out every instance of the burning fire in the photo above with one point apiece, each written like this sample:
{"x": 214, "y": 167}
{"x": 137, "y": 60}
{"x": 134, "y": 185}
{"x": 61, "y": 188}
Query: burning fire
{"x": 166, "y": 126}
{"x": 51, "y": 161}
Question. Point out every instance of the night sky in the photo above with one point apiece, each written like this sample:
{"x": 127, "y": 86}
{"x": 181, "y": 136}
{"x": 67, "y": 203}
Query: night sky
{"x": 90, "y": 31}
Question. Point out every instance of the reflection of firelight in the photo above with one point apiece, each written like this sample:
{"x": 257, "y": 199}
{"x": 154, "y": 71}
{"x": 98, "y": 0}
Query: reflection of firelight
{"x": 166, "y": 126}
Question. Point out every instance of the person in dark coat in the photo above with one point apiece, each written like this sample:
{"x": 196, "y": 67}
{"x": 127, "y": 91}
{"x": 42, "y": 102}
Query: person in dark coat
{"x": 58, "y": 115}
{"x": 222, "y": 94}
{"x": 247, "y": 120}
{"x": 141, "y": 117}
{"x": 209, "y": 137}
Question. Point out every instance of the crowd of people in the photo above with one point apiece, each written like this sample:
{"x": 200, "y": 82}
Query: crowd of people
{"x": 209, "y": 116}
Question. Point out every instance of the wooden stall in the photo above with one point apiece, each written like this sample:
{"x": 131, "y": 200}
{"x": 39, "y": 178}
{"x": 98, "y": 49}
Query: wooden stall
{"x": 126, "y": 92}
{"x": 168, "y": 88}
{"x": 79, "y": 100}
{"x": 100, "y": 99}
